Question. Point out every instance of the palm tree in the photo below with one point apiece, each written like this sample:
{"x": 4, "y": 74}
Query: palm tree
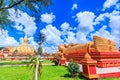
{"x": 40, "y": 38}
{"x": 35, "y": 61}
{"x": 36, "y": 65}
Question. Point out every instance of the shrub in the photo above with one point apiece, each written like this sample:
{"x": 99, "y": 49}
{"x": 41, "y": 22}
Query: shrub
{"x": 73, "y": 68}
{"x": 56, "y": 60}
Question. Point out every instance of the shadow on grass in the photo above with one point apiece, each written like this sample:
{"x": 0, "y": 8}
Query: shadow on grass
{"x": 67, "y": 76}
{"x": 79, "y": 77}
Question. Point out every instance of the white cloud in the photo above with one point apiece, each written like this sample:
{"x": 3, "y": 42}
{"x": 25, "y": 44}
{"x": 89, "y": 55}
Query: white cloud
{"x": 85, "y": 20}
{"x": 23, "y": 22}
{"x": 6, "y": 40}
{"x": 52, "y": 38}
{"x": 32, "y": 43}
{"x": 115, "y": 21}
{"x": 109, "y": 3}
{"x": 117, "y": 7}
{"x": 113, "y": 24}
{"x": 50, "y": 49}
{"x": 65, "y": 26}
{"x": 81, "y": 37}
{"x": 85, "y": 25}
{"x": 21, "y": 39}
{"x": 103, "y": 32}
{"x": 47, "y": 18}
{"x": 100, "y": 18}
{"x": 74, "y": 6}
{"x": 52, "y": 34}
{"x": 71, "y": 37}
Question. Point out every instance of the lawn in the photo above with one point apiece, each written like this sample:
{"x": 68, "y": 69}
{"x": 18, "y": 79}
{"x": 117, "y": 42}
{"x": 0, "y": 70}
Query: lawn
{"x": 49, "y": 72}
{"x": 9, "y": 62}
{"x": 14, "y": 73}
{"x": 17, "y": 62}
{"x": 23, "y": 73}
{"x": 55, "y": 73}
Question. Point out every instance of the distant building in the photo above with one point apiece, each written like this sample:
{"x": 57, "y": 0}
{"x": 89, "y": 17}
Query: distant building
{"x": 22, "y": 49}
{"x": 20, "y": 52}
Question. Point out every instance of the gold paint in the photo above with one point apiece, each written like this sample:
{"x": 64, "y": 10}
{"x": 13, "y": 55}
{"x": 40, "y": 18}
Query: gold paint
{"x": 22, "y": 49}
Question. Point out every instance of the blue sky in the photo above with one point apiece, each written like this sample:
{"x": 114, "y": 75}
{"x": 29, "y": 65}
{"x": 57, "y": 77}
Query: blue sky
{"x": 68, "y": 21}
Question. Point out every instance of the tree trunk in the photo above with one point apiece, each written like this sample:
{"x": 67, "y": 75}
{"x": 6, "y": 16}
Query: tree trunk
{"x": 37, "y": 69}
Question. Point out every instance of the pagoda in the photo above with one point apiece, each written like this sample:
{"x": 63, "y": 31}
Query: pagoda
{"x": 23, "y": 50}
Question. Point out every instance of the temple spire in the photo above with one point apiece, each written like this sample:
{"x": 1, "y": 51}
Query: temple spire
{"x": 26, "y": 36}
{"x": 25, "y": 39}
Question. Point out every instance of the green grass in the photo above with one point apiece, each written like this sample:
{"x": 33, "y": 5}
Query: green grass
{"x": 14, "y": 62}
{"x": 8, "y": 62}
{"x": 55, "y": 73}
{"x": 48, "y": 73}
{"x": 14, "y": 73}
{"x": 46, "y": 62}
{"x": 23, "y": 73}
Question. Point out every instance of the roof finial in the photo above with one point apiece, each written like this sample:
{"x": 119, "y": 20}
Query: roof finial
{"x": 25, "y": 39}
{"x": 87, "y": 56}
{"x": 26, "y": 35}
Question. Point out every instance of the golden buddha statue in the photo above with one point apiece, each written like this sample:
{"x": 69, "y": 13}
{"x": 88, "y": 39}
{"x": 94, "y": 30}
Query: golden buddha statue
{"x": 98, "y": 44}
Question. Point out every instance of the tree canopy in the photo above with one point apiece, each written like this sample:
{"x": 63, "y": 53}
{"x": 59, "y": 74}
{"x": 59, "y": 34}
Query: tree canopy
{"x": 34, "y": 7}
{"x": 40, "y": 38}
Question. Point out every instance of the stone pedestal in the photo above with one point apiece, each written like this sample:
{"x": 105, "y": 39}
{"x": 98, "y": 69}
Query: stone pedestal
{"x": 89, "y": 67}
{"x": 63, "y": 61}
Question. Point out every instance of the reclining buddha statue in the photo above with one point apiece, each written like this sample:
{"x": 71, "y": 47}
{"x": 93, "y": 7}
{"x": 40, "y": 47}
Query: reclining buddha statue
{"x": 98, "y": 44}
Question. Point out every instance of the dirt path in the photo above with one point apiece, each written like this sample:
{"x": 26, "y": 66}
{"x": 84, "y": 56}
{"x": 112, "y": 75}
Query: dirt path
{"x": 23, "y": 65}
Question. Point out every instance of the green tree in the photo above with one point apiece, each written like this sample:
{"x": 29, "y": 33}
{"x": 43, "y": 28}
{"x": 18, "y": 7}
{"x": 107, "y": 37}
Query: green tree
{"x": 40, "y": 38}
{"x": 4, "y": 21}
{"x": 33, "y": 7}
{"x": 35, "y": 61}
{"x": 36, "y": 65}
